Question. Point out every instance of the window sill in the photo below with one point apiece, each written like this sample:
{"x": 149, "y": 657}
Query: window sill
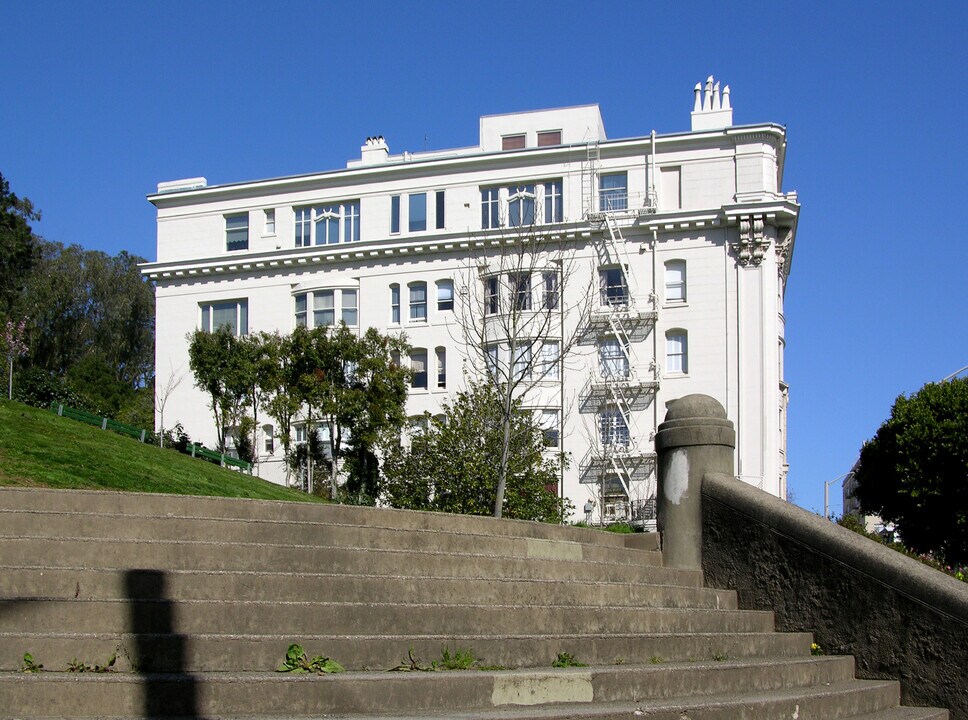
{"x": 675, "y": 304}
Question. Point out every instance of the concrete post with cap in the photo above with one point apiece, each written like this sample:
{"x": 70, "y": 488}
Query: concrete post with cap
{"x": 696, "y": 438}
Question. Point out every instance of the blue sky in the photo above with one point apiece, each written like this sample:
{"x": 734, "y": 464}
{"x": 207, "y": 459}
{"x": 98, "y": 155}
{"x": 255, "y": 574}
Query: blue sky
{"x": 103, "y": 100}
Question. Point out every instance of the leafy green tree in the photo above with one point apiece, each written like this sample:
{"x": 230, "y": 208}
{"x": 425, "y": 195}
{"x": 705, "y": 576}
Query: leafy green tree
{"x": 278, "y": 378}
{"x": 18, "y": 245}
{"x": 453, "y": 465}
{"x": 353, "y": 387}
{"x": 914, "y": 472}
{"x": 91, "y": 318}
{"x": 214, "y": 358}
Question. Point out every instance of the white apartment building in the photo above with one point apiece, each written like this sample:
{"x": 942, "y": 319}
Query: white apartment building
{"x": 670, "y": 253}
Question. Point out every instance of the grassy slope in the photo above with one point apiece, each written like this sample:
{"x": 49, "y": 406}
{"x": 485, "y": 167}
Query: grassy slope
{"x": 39, "y": 449}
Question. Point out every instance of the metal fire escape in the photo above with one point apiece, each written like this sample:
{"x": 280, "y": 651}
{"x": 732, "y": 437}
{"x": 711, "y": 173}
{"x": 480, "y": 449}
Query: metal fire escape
{"x": 621, "y": 386}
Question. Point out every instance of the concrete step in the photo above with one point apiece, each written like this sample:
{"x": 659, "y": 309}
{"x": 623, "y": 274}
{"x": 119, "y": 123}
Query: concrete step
{"x": 837, "y": 701}
{"x": 419, "y": 693}
{"x": 295, "y": 619}
{"x": 50, "y": 524}
{"x": 159, "y": 505}
{"x": 238, "y": 653}
{"x": 105, "y": 584}
{"x": 549, "y": 561}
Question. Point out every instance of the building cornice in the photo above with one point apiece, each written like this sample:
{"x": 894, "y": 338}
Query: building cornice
{"x": 325, "y": 255}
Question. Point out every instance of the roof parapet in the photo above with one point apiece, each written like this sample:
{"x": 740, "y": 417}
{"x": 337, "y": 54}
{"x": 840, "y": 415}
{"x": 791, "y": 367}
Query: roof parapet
{"x": 179, "y": 185}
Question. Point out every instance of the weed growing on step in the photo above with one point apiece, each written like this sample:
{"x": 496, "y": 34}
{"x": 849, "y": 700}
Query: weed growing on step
{"x": 491, "y": 668}
{"x": 30, "y": 665}
{"x": 815, "y": 649}
{"x": 79, "y": 666}
{"x": 411, "y": 664}
{"x": 461, "y": 660}
{"x": 655, "y": 660}
{"x": 566, "y": 660}
{"x": 720, "y": 656}
{"x": 298, "y": 662}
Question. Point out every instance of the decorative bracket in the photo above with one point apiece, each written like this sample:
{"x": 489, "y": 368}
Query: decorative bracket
{"x": 752, "y": 243}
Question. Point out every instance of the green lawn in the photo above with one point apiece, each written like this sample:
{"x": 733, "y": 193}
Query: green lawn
{"x": 40, "y": 449}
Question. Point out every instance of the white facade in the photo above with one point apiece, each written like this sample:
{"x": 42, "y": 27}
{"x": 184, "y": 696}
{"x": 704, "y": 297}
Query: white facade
{"x": 695, "y": 222}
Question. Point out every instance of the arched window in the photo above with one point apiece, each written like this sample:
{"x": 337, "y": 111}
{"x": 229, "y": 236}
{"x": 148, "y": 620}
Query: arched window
{"x": 441, "y": 353}
{"x": 677, "y": 351}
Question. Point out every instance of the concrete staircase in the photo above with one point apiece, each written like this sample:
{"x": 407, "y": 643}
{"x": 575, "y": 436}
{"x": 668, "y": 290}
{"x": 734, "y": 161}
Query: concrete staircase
{"x": 199, "y": 598}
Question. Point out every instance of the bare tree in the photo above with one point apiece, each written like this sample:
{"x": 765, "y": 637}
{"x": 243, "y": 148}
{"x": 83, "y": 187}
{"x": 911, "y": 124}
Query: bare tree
{"x": 162, "y": 393}
{"x": 517, "y": 303}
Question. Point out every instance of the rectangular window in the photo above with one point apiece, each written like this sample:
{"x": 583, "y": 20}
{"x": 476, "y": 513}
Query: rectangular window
{"x": 520, "y": 285}
{"x": 613, "y": 287}
{"x": 547, "y": 138}
{"x": 351, "y": 222}
{"x": 550, "y": 351}
{"x": 613, "y": 362}
{"x": 553, "y": 212}
{"x": 418, "y": 212}
{"x": 675, "y": 281}
{"x": 614, "y": 430}
{"x": 233, "y": 314}
{"x": 548, "y": 422}
{"x": 551, "y": 290}
{"x": 492, "y": 296}
{"x": 350, "y": 308}
{"x": 304, "y": 227}
{"x": 418, "y": 302}
{"x": 395, "y": 304}
{"x": 613, "y": 192}
{"x": 418, "y": 364}
{"x": 440, "y": 210}
{"x": 301, "y": 308}
{"x": 270, "y": 223}
{"x": 270, "y": 445}
{"x": 441, "y": 367}
{"x": 395, "y": 214}
{"x": 324, "y": 308}
{"x": 492, "y": 356}
{"x": 513, "y": 142}
{"x": 237, "y": 232}
{"x": 521, "y": 367}
{"x": 521, "y": 205}
{"x": 677, "y": 352}
{"x": 445, "y": 294}
{"x": 490, "y": 208}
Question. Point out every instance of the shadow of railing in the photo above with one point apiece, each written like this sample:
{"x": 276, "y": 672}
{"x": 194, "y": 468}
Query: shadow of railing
{"x": 157, "y": 652}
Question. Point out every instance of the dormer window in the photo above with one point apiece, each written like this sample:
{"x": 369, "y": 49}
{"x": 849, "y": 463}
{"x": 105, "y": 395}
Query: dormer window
{"x": 513, "y": 142}
{"x": 549, "y": 138}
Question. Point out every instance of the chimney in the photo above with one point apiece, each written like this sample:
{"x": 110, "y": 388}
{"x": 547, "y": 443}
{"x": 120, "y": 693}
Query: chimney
{"x": 374, "y": 151}
{"x": 711, "y": 110}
